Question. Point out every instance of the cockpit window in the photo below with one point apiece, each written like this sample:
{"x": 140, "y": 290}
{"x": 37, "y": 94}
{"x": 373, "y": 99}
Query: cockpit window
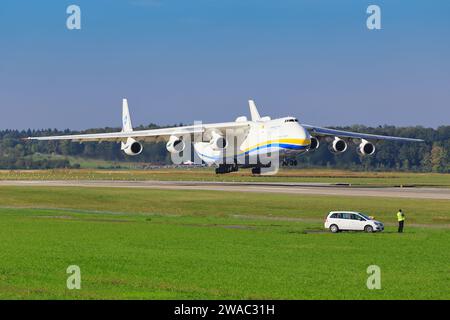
{"x": 291, "y": 120}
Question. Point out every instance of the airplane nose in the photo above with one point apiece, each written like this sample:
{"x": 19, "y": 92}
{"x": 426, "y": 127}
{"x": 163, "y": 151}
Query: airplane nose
{"x": 304, "y": 135}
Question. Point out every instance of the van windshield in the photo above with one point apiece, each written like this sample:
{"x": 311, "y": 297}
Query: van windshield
{"x": 363, "y": 215}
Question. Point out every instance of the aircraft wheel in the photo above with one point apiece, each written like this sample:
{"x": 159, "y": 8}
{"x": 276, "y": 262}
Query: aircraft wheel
{"x": 256, "y": 170}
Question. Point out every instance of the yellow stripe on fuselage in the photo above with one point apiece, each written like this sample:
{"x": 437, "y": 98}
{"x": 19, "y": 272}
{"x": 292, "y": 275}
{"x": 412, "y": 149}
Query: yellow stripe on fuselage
{"x": 300, "y": 142}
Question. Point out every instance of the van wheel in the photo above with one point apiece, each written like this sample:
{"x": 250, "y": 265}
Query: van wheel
{"x": 334, "y": 228}
{"x": 368, "y": 229}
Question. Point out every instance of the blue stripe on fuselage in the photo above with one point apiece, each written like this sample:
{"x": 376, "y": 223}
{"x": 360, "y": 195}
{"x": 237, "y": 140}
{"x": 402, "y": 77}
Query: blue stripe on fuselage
{"x": 280, "y": 145}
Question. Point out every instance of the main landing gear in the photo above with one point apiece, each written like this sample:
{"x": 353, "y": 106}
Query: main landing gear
{"x": 256, "y": 170}
{"x": 226, "y": 168}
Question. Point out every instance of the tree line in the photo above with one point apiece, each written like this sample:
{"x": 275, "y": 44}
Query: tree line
{"x": 431, "y": 156}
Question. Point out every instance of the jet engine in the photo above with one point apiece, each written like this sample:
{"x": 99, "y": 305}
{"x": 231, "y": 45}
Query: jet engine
{"x": 175, "y": 144}
{"x": 132, "y": 147}
{"x": 366, "y": 148}
{"x": 315, "y": 143}
{"x": 338, "y": 145}
{"x": 218, "y": 142}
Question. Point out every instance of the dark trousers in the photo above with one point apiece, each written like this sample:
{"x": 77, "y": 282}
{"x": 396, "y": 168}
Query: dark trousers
{"x": 400, "y": 226}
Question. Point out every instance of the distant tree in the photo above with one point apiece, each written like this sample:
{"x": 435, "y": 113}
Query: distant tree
{"x": 438, "y": 159}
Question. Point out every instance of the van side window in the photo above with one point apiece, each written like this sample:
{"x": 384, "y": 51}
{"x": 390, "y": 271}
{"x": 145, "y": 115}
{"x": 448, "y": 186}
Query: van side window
{"x": 334, "y": 215}
{"x": 346, "y": 216}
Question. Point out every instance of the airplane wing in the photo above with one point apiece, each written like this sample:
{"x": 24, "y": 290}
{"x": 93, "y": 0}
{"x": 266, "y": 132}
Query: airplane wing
{"x": 320, "y": 131}
{"x": 146, "y": 135}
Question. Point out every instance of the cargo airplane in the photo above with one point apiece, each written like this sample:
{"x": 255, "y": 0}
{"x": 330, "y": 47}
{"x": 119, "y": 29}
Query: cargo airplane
{"x": 256, "y": 138}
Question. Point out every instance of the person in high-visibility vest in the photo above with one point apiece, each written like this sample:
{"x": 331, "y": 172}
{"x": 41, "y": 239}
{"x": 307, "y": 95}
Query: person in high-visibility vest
{"x": 401, "y": 220}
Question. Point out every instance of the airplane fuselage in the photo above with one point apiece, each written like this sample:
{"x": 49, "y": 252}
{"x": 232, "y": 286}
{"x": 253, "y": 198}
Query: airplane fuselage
{"x": 282, "y": 136}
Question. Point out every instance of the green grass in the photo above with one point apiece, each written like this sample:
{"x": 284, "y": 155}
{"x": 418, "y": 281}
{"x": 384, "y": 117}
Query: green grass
{"x": 155, "y": 244}
{"x": 86, "y": 163}
{"x": 207, "y": 174}
{"x": 222, "y": 204}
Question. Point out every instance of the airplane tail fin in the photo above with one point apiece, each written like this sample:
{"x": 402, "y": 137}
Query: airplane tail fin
{"x": 126, "y": 120}
{"x": 253, "y": 111}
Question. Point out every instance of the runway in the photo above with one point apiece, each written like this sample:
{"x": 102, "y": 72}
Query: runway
{"x": 281, "y": 188}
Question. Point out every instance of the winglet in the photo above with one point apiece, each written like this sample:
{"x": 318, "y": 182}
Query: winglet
{"x": 126, "y": 120}
{"x": 253, "y": 111}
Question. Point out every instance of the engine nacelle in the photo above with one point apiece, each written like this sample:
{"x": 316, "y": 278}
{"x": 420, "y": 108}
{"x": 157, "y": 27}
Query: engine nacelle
{"x": 315, "y": 143}
{"x": 338, "y": 145}
{"x": 218, "y": 142}
{"x": 132, "y": 147}
{"x": 175, "y": 144}
{"x": 366, "y": 148}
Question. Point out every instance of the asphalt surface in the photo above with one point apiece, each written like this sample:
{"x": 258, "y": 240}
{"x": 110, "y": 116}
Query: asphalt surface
{"x": 286, "y": 188}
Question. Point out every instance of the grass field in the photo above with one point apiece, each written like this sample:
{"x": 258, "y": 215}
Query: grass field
{"x": 155, "y": 244}
{"x": 207, "y": 174}
{"x": 86, "y": 163}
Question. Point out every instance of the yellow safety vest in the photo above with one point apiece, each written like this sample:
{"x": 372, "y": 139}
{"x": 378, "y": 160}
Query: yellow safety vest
{"x": 400, "y": 216}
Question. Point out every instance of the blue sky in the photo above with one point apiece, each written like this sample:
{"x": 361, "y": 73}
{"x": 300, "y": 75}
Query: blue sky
{"x": 180, "y": 61}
